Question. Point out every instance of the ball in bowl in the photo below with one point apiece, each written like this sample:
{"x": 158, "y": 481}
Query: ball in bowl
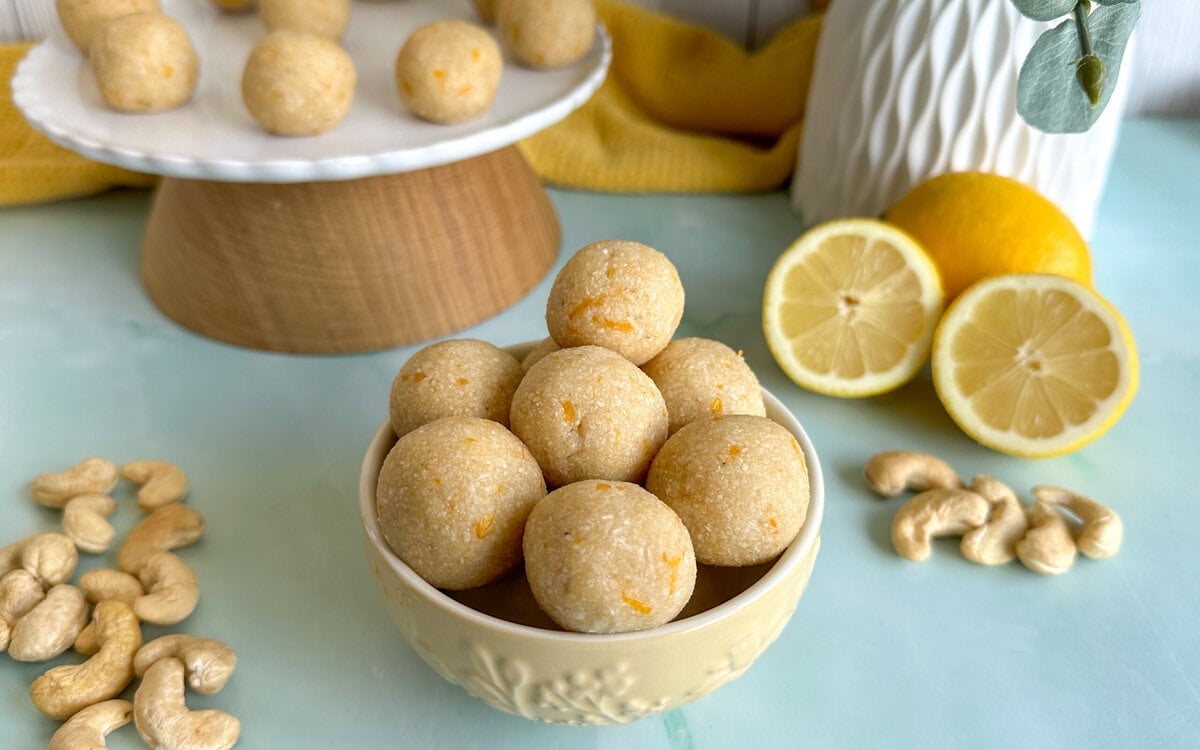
{"x": 617, "y": 294}
{"x": 608, "y": 557}
{"x": 519, "y": 662}
{"x": 587, "y": 413}
{"x": 459, "y": 377}
{"x": 453, "y": 496}
{"x": 740, "y": 485}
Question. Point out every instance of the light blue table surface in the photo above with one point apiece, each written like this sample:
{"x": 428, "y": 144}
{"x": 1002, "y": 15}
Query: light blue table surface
{"x": 880, "y": 652}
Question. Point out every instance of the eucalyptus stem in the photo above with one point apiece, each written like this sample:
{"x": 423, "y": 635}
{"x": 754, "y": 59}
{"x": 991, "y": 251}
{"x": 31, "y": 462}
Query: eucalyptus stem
{"x": 1090, "y": 68}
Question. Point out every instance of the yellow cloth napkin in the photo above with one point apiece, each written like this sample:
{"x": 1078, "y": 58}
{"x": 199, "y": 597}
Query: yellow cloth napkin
{"x": 678, "y": 107}
{"x": 32, "y": 168}
{"x": 683, "y": 110}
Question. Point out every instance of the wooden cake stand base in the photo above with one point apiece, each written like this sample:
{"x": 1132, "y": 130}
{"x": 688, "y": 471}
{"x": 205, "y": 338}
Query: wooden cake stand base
{"x": 358, "y": 265}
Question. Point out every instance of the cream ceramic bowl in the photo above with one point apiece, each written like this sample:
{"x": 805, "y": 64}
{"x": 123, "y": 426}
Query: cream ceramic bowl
{"x": 495, "y": 642}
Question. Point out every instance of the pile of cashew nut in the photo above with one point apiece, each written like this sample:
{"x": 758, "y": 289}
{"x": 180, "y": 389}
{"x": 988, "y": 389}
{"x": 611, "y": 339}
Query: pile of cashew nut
{"x": 994, "y": 525}
{"x": 42, "y": 614}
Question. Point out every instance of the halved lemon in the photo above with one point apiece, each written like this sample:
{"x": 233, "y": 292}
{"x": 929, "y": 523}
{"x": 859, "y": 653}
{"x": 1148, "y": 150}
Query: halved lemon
{"x": 850, "y": 307}
{"x": 1033, "y": 364}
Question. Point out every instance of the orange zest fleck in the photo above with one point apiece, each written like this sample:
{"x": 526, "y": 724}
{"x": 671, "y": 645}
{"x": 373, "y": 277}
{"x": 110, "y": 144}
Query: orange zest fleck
{"x": 484, "y": 525}
{"x": 568, "y": 411}
{"x": 469, "y": 440}
{"x": 499, "y": 489}
{"x": 404, "y": 378}
{"x": 774, "y": 525}
{"x": 716, "y": 407}
{"x": 603, "y": 486}
{"x": 168, "y": 71}
{"x": 611, "y": 273}
{"x": 585, "y": 304}
{"x": 624, "y": 326}
{"x": 418, "y": 377}
{"x": 464, "y": 89}
{"x": 674, "y": 563}
{"x": 463, "y": 381}
{"x": 796, "y": 448}
{"x": 640, "y": 607}
{"x": 407, "y": 86}
{"x": 735, "y": 451}
{"x": 475, "y": 53}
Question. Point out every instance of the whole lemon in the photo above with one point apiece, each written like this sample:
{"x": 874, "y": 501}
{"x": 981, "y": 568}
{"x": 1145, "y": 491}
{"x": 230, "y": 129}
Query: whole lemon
{"x": 974, "y": 225}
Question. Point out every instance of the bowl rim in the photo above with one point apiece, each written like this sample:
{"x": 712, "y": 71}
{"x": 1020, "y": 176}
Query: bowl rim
{"x": 791, "y": 558}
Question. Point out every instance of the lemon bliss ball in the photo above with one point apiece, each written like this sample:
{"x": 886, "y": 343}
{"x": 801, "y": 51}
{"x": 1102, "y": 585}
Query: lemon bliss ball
{"x": 298, "y": 84}
{"x": 460, "y": 377}
{"x": 144, "y": 62}
{"x": 587, "y": 413}
{"x": 453, "y": 497}
{"x": 701, "y": 378}
{"x": 740, "y": 485}
{"x": 546, "y": 33}
{"x": 608, "y": 557}
{"x": 82, "y": 19}
{"x": 621, "y": 295}
{"x": 327, "y": 18}
{"x": 448, "y": 71}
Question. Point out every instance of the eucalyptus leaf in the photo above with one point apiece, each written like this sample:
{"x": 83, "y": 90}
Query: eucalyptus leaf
{"x": 1115, "y": 2}
{"x": 1049, "y": 96}
{"x": 1044, "y": 10}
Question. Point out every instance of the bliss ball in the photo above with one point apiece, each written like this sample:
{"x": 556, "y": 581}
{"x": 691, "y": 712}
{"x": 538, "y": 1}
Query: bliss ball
{"x": 452, "y": 500}
{"x": 298, "y": 84}
{"x": 608, "y": 557}
{"x": 740, "y": 485}
{"x": 546, "y": 33}
{"x": 621, "y": 295}
{"x": 144, "y": 62}
{"x": 702, "y": 378}
{"x": 327, "y": 18}
{"x": 587, "y": 413}
{"x": 539, "y": 350}
{"x": 81, "y": 19}
{"x": 448, "y": 71}
{"x": 460, "y": 377}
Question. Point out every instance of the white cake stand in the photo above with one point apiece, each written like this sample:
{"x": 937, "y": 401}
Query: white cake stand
{"x": 382, "y": 232}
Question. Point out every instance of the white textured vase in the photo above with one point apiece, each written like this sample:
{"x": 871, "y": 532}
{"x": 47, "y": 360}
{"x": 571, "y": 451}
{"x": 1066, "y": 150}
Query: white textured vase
{"x": 907, "y": 89}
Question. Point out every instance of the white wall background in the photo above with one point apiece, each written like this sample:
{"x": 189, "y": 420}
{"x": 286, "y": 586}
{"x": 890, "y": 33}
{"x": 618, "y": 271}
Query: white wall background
{"x": 1165, "y": 65}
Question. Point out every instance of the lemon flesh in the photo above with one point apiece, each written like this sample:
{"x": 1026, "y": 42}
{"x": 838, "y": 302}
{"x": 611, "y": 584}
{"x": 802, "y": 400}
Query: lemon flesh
{"x": 850, "y": 307}
{"x": 1034, "y": 364}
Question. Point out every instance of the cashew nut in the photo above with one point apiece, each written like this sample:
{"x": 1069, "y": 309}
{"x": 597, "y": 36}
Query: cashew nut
{"x": 106, "y": 583}
{"x": 1102, "y": 530}
{"x": 87, "y": 729}
{"x": 892, "y": 472}
{"x": 1047, "y": 546}
{"x": 162, "y": 482}
{"x": 49, "y": 557}
{"x": 208, "y": 663}
{"x": 85, "y": 521}
{"x": 172, "y": 591}
{"x": 936, "y": 512}
{"x": 167, "y": 528}
{"x": 20, "y": 591}
{"x": 163, "y": 720}
{"x": 62, "y": 691}
{"x": 993, "y": 543}
{"x": 49, "y": 628}
{"x": 92, "y": 476}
